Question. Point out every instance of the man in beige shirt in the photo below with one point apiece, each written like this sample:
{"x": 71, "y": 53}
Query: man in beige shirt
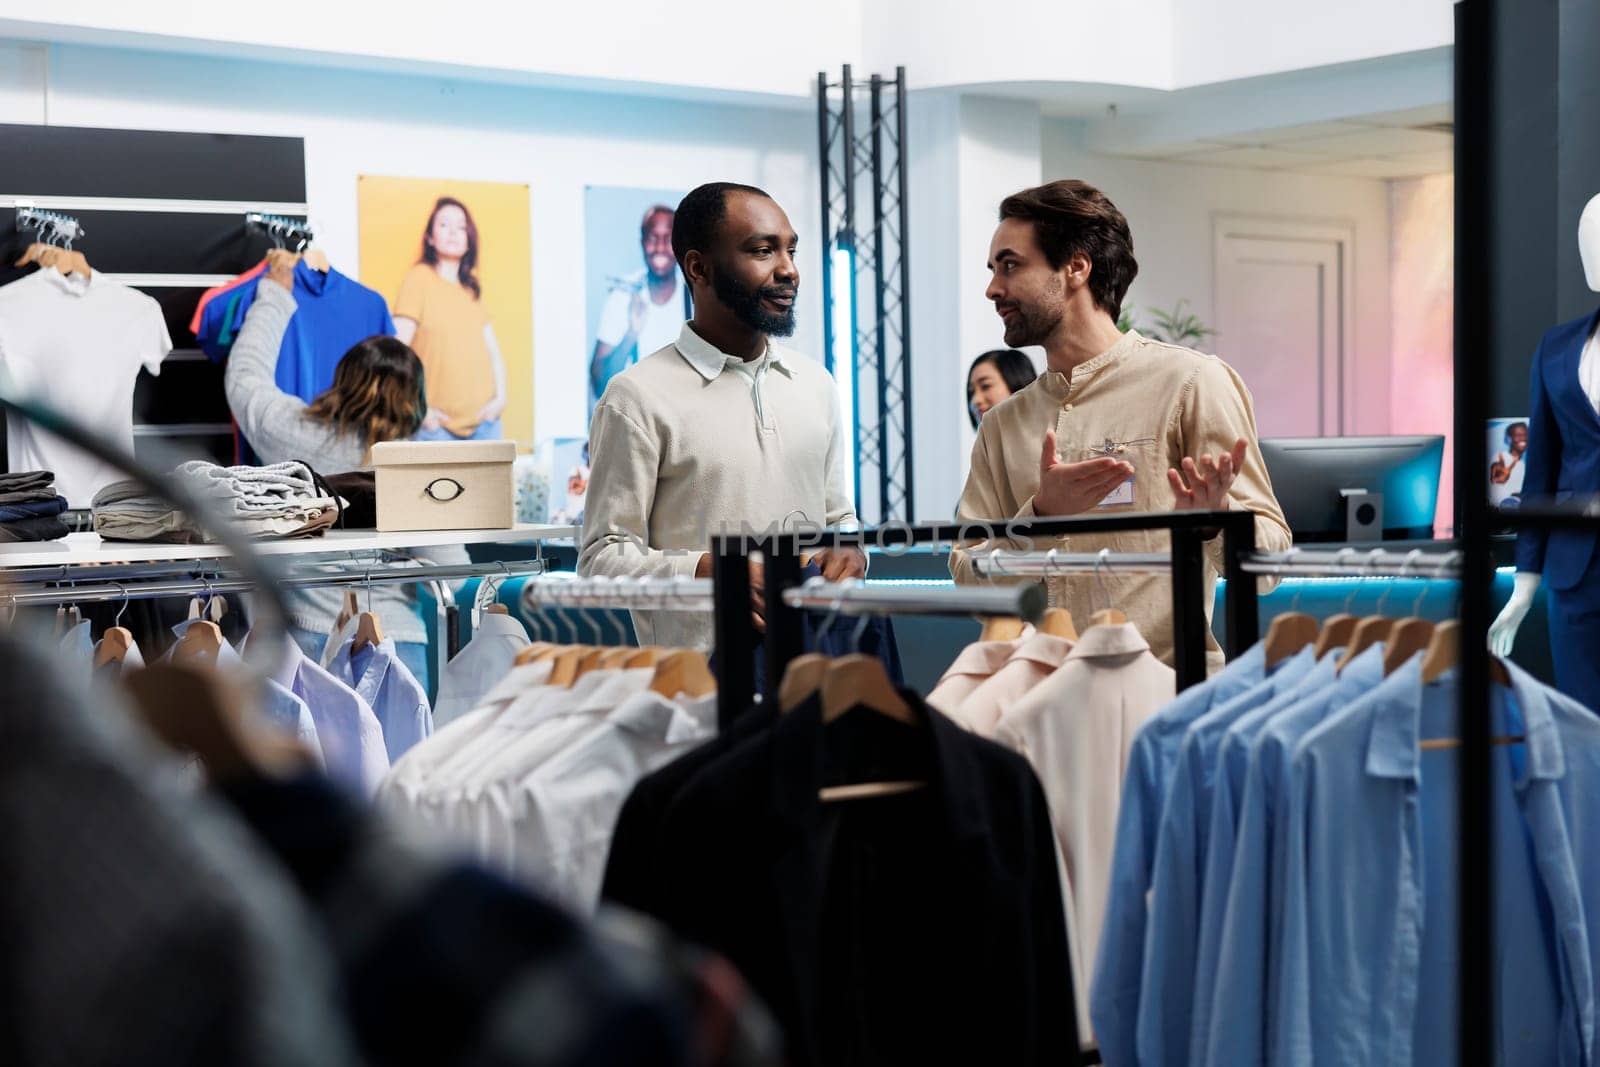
{"x": 723, "y": 431}
{"x": 1116, "y": 423}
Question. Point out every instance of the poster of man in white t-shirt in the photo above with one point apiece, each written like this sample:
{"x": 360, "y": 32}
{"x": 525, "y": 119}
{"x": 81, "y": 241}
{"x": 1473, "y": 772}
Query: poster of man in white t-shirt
{"x": 636, "y": 307}
{"x": 1508, "y": 447}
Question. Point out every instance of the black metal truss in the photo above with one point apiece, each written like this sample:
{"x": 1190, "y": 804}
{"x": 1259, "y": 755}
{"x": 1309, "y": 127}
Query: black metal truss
{"x": 862, "y": 139}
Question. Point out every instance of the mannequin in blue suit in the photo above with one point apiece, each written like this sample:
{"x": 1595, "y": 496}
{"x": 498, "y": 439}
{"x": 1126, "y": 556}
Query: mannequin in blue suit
{"x": 1563, "y": 462}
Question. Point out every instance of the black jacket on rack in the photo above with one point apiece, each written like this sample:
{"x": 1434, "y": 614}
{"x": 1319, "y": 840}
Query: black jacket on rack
{"x": 924, "y": 927}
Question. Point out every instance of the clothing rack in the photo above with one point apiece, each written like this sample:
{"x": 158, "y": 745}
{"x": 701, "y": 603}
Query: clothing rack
{"x": 855, "y": 597}
{"x": 1189, "y": 531}
{"x": 659, "y": 594}
{"x": 1355, "y": 563}
{"x": 202, "y": 585}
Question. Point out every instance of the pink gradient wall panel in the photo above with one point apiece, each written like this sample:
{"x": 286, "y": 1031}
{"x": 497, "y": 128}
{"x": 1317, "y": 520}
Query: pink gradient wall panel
{"x": 1421, "y": 284}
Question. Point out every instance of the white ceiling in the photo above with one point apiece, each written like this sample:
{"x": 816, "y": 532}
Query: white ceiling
{"x": 1393, "y": 144}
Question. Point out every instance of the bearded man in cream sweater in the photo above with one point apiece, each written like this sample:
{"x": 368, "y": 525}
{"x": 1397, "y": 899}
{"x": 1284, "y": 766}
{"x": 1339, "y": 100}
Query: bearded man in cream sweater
{"x": 1117, "y": 421}
{"x": 722, "y": 432}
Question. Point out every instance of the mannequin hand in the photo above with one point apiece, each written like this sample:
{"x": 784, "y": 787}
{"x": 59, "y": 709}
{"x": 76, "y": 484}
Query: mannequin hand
{"x": 1204, "y": 485}
{"x": 1503, "y": 631}
{"x": 1073, "y": 488}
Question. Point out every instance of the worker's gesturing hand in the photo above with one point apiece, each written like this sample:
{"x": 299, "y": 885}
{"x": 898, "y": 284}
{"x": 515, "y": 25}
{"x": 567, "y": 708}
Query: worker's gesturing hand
{"x": 1073, "y": 488}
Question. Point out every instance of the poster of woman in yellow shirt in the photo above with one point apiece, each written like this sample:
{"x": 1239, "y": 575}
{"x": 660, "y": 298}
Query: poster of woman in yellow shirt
{"x": 439, "y": 313}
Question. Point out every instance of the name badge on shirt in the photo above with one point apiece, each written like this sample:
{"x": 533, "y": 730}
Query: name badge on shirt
{"x": 1120, "y": 497}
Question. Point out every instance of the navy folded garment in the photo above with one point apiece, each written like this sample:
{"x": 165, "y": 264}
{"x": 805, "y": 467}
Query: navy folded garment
{"x": 34, "y": 528}
{"x": 34, "y": 509}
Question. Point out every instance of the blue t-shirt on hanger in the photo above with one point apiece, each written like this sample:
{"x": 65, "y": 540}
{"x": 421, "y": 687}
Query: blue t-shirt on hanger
{"x": 333, "y": 312}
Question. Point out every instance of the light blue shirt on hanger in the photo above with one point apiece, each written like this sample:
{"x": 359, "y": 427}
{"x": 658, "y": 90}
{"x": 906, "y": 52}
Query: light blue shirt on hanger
{"x": 390, "y": 689}
{"x": 1371, "y": 894}
{"x": 1247, "y": 967}
{"x": 1114, "y": 990}
{"x": 1172, "y": 942}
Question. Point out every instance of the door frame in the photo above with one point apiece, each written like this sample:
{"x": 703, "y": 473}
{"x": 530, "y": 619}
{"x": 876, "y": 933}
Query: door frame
{"x": 1226, "y": 225}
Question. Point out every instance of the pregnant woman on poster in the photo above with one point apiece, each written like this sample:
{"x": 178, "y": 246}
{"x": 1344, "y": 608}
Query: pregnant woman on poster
{"x": 440, "y": 314}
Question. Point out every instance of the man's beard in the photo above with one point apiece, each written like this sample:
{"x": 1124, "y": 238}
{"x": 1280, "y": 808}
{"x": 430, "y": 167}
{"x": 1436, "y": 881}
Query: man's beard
{"x": 1032, "y": 326}
{"x": 746, "y": 304}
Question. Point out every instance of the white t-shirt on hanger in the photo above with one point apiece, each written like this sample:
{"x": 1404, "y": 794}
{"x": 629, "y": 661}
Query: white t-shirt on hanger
{"x": 77, "y": 344}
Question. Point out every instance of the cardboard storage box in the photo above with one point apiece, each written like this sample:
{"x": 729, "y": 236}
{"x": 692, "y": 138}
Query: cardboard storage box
{"x": 447, "y": 485}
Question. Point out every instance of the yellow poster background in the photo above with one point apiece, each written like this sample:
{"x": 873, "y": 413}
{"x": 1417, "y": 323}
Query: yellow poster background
{"x": 393, "y": 213}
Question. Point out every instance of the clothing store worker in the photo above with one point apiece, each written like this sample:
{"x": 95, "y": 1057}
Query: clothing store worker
{"x": 994, "y": 376}
{"x": 1117, "y": 422}
{"x": 439, "y": 313}
{"x": 377, "y": 395}
{"x": 723, "y": 431}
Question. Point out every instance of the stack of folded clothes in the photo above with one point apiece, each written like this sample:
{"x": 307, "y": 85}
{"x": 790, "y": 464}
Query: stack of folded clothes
{"x": 30, "y": 508}
{"x": 280, "y": 501}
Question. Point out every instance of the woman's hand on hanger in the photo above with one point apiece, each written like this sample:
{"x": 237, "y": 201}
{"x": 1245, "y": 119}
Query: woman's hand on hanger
{"x": 1203, "y": 485}
{"x": 281, "y": 269}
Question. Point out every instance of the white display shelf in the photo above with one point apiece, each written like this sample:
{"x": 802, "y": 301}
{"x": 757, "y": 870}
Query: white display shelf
{"x": 81, "y": 549}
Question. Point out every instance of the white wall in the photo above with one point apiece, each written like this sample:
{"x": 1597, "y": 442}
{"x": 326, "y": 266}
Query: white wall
{"x": 734, "y": 47}
{"x": 723, "y": 45}
{"x": 557, "y": 142}
{"x": 967, "y": 154}
{"x": 1171, "y": 207}
{"x": 1221, "y": 40}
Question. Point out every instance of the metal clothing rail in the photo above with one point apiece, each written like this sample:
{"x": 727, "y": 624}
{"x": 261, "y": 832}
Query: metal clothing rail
{"x": 1354, "y": 563}
{"x": 658, "y": 594}
{"x": 855, "y": 597}
{"x": 383, "y": 574}
{"x": 1189, "y": 530}
{"x": 1001, "y": 563}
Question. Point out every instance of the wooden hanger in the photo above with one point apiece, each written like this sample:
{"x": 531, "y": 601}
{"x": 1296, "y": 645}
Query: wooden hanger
{"x": 317, "y": 260}
{"x": 114, "y": 646}
{"x": 859, "y": 680}
{"x": 1370, "y": 631}
{"x": 207, "y": 714}
{"x": 590, "y": 660}
{"x": 1057, "y": 622}
{"x": 683, "y": 671}
{"x": 801, "y": 679}
{"x": 1443, "y": 654}
{"x": 202, "y": 641}
{"x": 349, "y": 610}
{"x": 1107, "y": 617}
{"x": 1000, "y": 628}
{"x": 535, "y": 651}
{"x": 1288, "y": 635}
{"x": 1336, "y": 631}
{"x": 1408, "y": 637}
{"x": 496, "y": 609}
{"x": 50, "y": 257}
{"x": 369, "y": 631}
{"x": 564, "y": 668}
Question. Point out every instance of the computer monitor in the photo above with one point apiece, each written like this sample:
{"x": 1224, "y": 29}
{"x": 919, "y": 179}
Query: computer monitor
{"x": 1356, "y": 488}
